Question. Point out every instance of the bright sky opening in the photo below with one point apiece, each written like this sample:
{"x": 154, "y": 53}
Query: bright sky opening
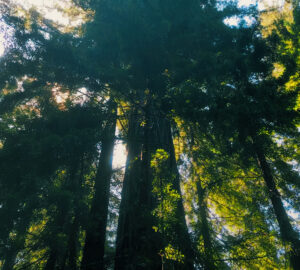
{"x": 49, "y": 9}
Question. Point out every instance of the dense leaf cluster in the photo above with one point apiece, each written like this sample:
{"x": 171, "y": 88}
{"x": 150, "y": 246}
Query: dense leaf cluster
{"x": 209, "y": 114}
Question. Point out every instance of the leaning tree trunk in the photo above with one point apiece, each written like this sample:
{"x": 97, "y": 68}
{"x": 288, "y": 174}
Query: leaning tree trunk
{"x": 288, "y": 234}
{"x": 138, "y": 245}
{"x": 93, "y": 253}
{"x": 182, "y": 239}
{"x": 208, "y": 261}
{"x": 71, "y": 255}
{"x": 66, "y": 221}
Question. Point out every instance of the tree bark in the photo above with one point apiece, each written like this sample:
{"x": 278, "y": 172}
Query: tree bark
{"x": 205, "y": 231}
{"x": 288, "y": 234}
{"x": 138, "y": 246}
{"x": 51, "y": 262}
{"x": 66, "y": 221}
{"x": 182, "y": 240}
{"x": 70, "y": 260}
{"x": 93, "y": 253}
{"x": 127, "y": 253}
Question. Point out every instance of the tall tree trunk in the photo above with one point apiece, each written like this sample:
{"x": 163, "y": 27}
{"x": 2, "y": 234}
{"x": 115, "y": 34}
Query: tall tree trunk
{"x": 66, "y": 221}
{"x": 93, "y": 253}
{"x": 51, "y": 261}
{"x": 72, "y": 226}
{"x": 71, "y": 256}
{"x": 288, "y": 234}
{"x": 205, "y": 231}
{"x": 182, "y": 241}
{"x": 127, "y": 254}
{"x": 55, "y": 255}
{"x": 138, "y": 246}
{"x": 70, "y": 261}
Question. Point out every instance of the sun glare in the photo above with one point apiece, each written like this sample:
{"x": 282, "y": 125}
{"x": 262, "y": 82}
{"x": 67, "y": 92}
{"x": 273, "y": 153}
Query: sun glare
{"x": 55, "y": 10}
{"x": 2, "y": 48}
{"x": 120, "y": 154}
{"x": 261, "y": 4}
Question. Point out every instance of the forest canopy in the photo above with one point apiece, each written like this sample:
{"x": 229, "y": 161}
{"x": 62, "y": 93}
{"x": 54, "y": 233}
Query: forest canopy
{"x": 202, "y": 96}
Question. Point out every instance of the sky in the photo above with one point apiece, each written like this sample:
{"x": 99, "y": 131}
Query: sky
{"x": 1, "y": 45}
{"x": 49, "y": 10}
{"x": 120, "y": 154}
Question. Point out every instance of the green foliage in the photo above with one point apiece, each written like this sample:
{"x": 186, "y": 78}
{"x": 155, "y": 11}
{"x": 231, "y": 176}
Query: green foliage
{"x": 172, "y": 254}
{"x": 162, "y": 188}
{"x": 230, "y": 94}
{"x": 167, "y": 198}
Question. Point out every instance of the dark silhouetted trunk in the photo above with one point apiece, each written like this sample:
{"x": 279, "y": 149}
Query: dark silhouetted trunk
{"x": 288, "y": 234}
{"x": 70, "y": 260}
{"x": 138, "y": 245}
{"x": 205, "y": 231}
{"x": 51, "y": 262}
{"x": 74, "y": 184}
{"x": 127, "y": 254}
{"x": 182, "y": 238}
{"x": 66, "y": 221}
{"x": 93, "y": 253}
